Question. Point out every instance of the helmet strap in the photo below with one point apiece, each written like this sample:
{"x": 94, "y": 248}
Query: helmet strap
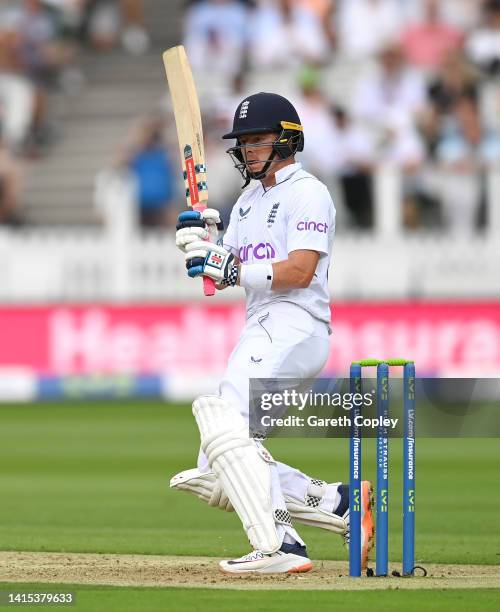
{"x": 245, "y": 171}
{"x": 258, "y": 176}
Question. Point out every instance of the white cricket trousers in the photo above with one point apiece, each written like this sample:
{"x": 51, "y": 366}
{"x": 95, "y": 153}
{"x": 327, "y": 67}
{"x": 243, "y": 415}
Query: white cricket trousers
{"x": 280, "y": 341}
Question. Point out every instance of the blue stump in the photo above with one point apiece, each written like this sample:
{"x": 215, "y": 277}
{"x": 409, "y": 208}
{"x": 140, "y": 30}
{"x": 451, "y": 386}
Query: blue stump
{"x": 355, "y": 478}
{"x": 382, "y": 527}
{"x": 409, "y": 470}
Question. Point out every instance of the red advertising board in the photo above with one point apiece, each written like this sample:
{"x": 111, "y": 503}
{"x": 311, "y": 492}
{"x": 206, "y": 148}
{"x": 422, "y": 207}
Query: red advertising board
{"x": 442, "y": 338}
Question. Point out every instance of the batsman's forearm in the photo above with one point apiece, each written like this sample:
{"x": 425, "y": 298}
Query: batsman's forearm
{"x": 289, "y": 275}
{"x": 279, "y": 276}
{"x": 296, "y": 272}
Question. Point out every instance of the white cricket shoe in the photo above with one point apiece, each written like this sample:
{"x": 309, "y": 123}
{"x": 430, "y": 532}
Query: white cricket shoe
{"x": 289, "y": 559}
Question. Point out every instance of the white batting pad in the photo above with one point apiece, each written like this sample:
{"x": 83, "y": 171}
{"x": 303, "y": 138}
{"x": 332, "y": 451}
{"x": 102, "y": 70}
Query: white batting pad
{"x": 315, "y": 517}
{"x": 315, "y": 509}
{"x": 242, "y": 471}
{"x": 206, "y": 486}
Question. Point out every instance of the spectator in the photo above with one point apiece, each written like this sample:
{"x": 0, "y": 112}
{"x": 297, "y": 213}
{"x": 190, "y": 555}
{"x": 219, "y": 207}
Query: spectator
{"x": 104, "y": 21}
{"x": 10, "y": 186}
{"x": 100, "y": 24}
{"x": 17, "y": 96}
{"x": 352, "y": 161}
{"x": 215, "y": 36}
{"x": 456, "y": 78}
{"x": 462, "y": 15}
{"x": 324, "y": 11}
{"x": 287, "y": 32}
{"x": 43, "y": 57}
{"x": 149, "y": 161}
{"x": 490, "y": 104}
{"x": 392, "y": 89}
{"x": 33, "y": 57}
{"x": 483, "y": 45}
{"x": 336, "y": 147}
{"x": 68, "y": 14}
{"x": 399, "y": 142}
{"x": 400, "y": 145}
{"x": 365, "y": 26}
{"x": 134, "y": 36}
{"x": 319, "y": 126}
{"x": 426, "y": 42}
{"x": 464, "y": 152}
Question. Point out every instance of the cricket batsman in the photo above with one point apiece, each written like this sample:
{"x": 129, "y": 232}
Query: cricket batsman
{"x": 277, "y": 246}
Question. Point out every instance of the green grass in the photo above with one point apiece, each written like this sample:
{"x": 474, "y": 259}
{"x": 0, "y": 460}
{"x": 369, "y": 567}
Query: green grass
{"x": 91, "y": 599}
{"x": 94, "y": 478}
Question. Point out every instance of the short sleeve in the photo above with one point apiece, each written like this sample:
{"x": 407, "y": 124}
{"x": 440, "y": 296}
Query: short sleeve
{"x": 230, "y": 238}
{"x": 311, "y": 218}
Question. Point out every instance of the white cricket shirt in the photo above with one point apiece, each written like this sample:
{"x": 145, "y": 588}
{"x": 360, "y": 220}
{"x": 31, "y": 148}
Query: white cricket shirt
{"x": 268, "y": 224}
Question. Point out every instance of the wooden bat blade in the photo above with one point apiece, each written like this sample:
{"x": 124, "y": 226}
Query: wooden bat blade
{"x": 188, "y": 122}
{"x": 189, "y": 133}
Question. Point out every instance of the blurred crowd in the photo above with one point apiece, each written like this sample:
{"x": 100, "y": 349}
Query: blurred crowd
{"x": 39, "y": 45}
{"x": 420, "y": 90}
{"x": 415, "y": 85}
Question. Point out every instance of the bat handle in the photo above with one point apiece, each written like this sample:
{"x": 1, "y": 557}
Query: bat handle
{"x": 208, "y": 283}
{"x": 208, "y": 286}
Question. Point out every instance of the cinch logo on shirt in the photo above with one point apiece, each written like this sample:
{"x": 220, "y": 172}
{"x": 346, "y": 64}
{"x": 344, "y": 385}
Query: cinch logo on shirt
{"x": 303, "y": 226}
{"x": 263, "y": 250}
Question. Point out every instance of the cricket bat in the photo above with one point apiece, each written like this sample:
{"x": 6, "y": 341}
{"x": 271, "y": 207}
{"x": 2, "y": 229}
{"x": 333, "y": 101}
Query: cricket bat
{"x": 189, "y": 133}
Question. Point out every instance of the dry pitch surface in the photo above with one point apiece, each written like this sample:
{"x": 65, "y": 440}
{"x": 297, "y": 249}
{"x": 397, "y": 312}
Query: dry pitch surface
{"x": 170, "y": 571}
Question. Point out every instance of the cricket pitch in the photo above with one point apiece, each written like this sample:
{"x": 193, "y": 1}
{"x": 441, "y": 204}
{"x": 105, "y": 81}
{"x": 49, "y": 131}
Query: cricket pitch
{"x": 202, "y": 572}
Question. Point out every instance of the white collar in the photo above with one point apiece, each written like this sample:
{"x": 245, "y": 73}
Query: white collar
{"x": 286, "y": 172}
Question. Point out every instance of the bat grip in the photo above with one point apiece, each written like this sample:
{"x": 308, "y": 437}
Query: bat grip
{"x": 208, "y": 286}
{"x": 208, "y": 283}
